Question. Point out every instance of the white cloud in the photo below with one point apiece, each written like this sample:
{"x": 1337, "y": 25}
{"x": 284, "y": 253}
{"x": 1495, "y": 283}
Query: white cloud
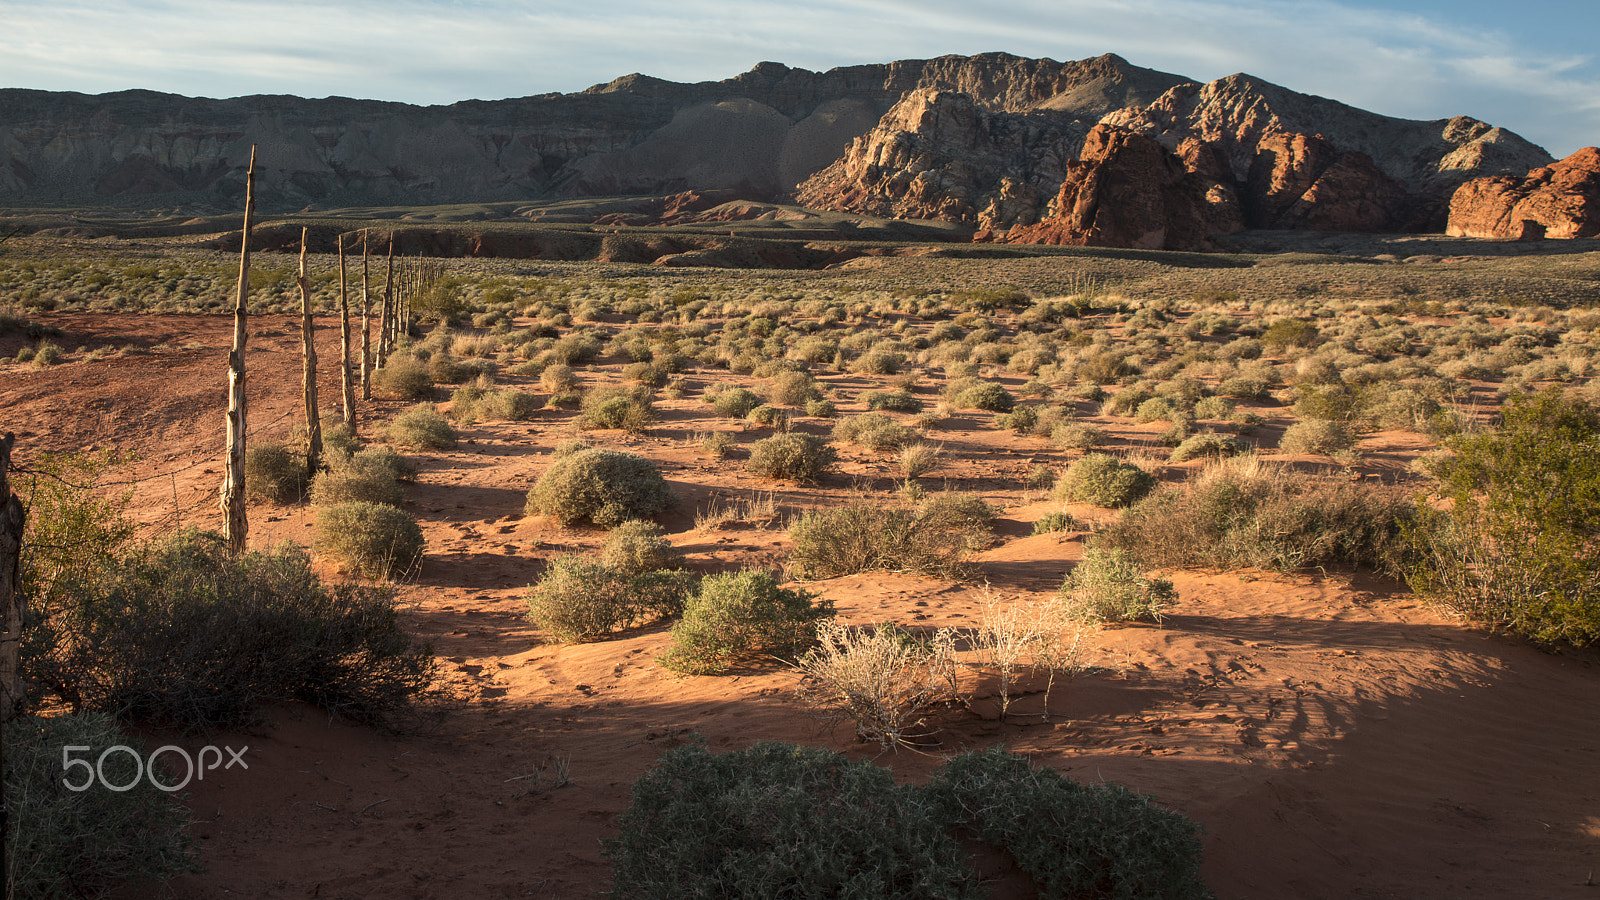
{"x": 439, "y": 51}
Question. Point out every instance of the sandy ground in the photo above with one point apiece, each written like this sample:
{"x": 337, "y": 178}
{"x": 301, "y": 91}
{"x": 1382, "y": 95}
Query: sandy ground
{"x": 1336, "y": 737}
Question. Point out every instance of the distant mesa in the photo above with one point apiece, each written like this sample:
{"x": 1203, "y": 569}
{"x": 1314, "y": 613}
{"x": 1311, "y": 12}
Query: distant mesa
{"x": 1094, "y": 152}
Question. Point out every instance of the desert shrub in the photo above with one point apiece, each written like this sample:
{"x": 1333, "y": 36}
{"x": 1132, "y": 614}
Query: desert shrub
{"x": 505, "y": 404}
{"x": 1519, "y": 546}
{"x": 897, "y": 401}
{"x": 1074, "y": 840}
{"x": 187, "y": 634}
{"x": 1125, "y": 402}
{"x": 638, "y": 546}
{"x": 878, "y": 361}
{"x": 1290, "y": 333}
{"x": 1110, "y": 586}
{"x": 69, "y": 844}
{"x": 793, "y": 389}
{"x": 446, "y": 369}
{"x": 273, "y": 473}
{"x": 1078, "y": 436}
{"x": 875, "y": 431}
{"x": 645, "y": 374}
{"x": 741, "y": 616}
{"x": 1054, "y": 522}
{"x": 356, "y": 478}
{"x": 1208, "y": 444}
{"x": 46, "y": 354}
{"x": 735, "y": 403}
{"x": 420, "y": 428}
{"x": 1021, "y": 419}
{"x": 976, "y": 394}
{"x": 718, "y": 443}
{"x": 1317, "y": 436}
{"x": 1107, "y": 367}
{"x": 1244, "y": 387}
{"x": 377, "y": 539}
{"x": 580, "y": 599}
{"x": 864, "y": 536}
{"x": 606, "y": 487}
{"x": 404, "y": 377}
{"x": 792, "y": 456}
{"x": 781, "y": 820}
{"x": 558, "y": 378}
{"x": 1246, "y": 513}
{"x": 770, "y": 416}
{"x": 821, "y": 409}
{"x": 381, "y": 457}
{"x": 1103, "y": 480}
{"x": 627, "y": 408}
{"x": 1213, "y": 408}
{"x": 882, "y": 679}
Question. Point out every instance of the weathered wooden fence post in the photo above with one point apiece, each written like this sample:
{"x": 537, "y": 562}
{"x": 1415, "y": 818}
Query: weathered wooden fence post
{"x": 366, "y": 322}
{"x": 308, "y": 379}
{"x": 347, "y": 389}
{"x": 235, "y": 525}
{"x": 11, "y": 523}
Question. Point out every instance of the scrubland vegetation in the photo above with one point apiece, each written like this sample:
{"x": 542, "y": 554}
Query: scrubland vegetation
{"x": 1175, "y": 411}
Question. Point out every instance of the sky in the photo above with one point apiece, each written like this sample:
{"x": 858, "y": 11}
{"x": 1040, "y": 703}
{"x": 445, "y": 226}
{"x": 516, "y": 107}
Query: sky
{"x": 1531, "y": 66}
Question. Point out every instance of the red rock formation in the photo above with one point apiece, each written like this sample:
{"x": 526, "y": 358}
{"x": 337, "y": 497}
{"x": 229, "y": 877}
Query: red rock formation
{"x": 1561, "y": 200}
{"x": 1303, "y": 181}
{"x": 1126, "y": 191}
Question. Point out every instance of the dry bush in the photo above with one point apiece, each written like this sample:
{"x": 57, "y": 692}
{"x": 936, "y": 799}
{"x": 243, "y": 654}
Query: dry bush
{"x": 875, "y": 432}
{"x": 273, "y": 473}
{"x": 637, "y": 546}
{"x": 864, "y": 536}
{"x": 1317, "y": 436}
{"x": 918, "y": 460}
{"x": 1208, "y": 445}
{"x": 1247, "y": 513}
{"x": 627, "y": 408}
{"x": 356, "y": 478}
{"x": 735, "y": 403}
{"x": 883, "y": 679}
{"x": 404, "y": 377}
{"x": 420, "y": 428}
{"x": 1024, "y": 635}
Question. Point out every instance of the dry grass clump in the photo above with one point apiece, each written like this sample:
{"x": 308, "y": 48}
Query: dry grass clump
{"x": 1100, "y": 479}
{"x": 1208, "y": 445}
{"x": 606, "y": 487}
{"x": 883, "y": 679}
{"x": 1317, "y": 436}
{"x": 404, "y": 377}
{"x": 1248, "y": 513}
{"x": 875, "y": 431}
{"x": 935, "y": 539}
{"x": 793, "y": 456}
{"x": 918, "y": 460}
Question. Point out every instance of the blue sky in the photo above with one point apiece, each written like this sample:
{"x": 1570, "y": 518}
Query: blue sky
{"x": 1529, "y": 66}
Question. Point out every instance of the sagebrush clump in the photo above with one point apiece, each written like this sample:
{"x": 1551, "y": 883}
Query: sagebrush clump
{"x": 605, "y": 487}
{"x": 1100, "y": 479}
{"x": 794, "y": 457}
{"x": 1109, "y": 586}
{"x": 379, "y": 540}
{"x": 581, "y": 599}
{"x": 743, "y": 617}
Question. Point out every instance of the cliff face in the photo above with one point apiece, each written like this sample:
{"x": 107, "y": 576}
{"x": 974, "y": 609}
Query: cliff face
{"x": 992, "y": 141}
{"x": 1561, "y": 200}
{"x": 761, "y": 133}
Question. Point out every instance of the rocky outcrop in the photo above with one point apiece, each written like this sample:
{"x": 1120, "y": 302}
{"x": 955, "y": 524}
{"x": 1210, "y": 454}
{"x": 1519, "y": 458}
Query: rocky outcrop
{"x": 1127, "y": 191}
{"x": 1561, "y": 200}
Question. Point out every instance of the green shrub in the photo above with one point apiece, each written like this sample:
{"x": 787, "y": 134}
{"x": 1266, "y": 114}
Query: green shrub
{"x": 68, "y": 844}
{"x": 864, "y": 536}
{"x": 1519, "y": 546}
{"x": 821, "y": 409}
{"x": 1074, "y": 840}
{"x": 403, "y": 378}
{"x": 376, "y": 539}
{"x": 273, "y": 473}
{"x": 606, "y": 487}
{"x": 186, "y": 634}
{"x": 1021, "y": 419}
{"x": 971, "y": 393}
{"x": 898, "y": 401}
{"x": 356, "y": 478}
{"x": 770, "y": 416}
{"x": 46, "y": 354}
{"x": 1110, "y": 586}
{"x": 580, "y": 599}
{"x": 638, "y": 546}
{"x": 1154, "y": 410}
{"x": 794, "y": 457}
{"x": 740, "y": 617}
{"x": 1245, "y": 513}
{"x": 627, "y": 408}
{"x": 780, "y": 820}
{"x": 1054, "y": 522}
{"x": 735, "y": 403}
{"x": 1207, "y": 445}
{"x": 1102, "y": 480}
{"x": 420, "y": 428}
